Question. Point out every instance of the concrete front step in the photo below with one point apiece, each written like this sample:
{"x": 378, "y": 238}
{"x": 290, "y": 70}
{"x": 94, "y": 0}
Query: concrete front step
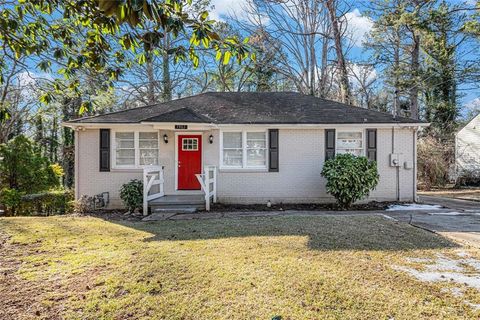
{"x": 176, "y": 210}
{"x": 178, "y": 200}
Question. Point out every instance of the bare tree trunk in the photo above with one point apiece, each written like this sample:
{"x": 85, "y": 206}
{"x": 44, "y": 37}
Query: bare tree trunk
{"x": 151, "y": 80}
{"x": 68, "y": 150}
{"x": 414, "y": 112}
{"x": 323, "y": 72}
{"x": 396, "y": 71}
{"x": 345, "y": 93}
{"x": 166, "y": 81}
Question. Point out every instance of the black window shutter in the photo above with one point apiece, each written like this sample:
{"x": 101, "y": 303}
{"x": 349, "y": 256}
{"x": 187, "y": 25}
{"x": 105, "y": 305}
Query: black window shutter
{"x": 329, "y": 144}
{"x": 372, "y": 144}
{"x": 104, "y": 149}
{"x": 273, "y": 150}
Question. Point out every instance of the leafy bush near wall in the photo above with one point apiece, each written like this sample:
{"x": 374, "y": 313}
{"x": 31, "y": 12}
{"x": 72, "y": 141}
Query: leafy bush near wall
{"x": 45, "y": 203}
{"x": 350, "y": 178}
{"x": 131, "y": 194}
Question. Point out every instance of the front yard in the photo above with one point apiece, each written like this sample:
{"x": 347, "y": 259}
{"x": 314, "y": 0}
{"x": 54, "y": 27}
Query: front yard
{"x": 322, "y": 267}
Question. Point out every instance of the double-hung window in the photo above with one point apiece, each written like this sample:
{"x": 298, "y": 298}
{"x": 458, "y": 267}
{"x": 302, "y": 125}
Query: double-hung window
{"x": 350, "y": 142}
{"x": 244, "y": 149}
{"x": 135, "y": 149}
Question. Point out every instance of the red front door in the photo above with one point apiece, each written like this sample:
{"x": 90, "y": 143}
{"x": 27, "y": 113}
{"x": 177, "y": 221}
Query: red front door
{"x": 189, "y": 161}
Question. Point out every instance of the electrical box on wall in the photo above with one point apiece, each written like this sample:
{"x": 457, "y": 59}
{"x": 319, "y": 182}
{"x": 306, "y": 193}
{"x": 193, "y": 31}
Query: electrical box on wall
{"x": 408, "y": 165}
{"x": 395, "y": 160}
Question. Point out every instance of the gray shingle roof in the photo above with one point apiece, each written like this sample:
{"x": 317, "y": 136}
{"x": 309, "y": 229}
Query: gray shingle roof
{"x": 249, "y": 108}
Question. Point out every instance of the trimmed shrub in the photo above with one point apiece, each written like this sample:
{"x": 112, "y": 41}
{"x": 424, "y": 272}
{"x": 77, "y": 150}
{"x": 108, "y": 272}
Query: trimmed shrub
{"x": 45, "y": 203}
{"x": 350, "y": 178}
{"x": 131, "y": 194}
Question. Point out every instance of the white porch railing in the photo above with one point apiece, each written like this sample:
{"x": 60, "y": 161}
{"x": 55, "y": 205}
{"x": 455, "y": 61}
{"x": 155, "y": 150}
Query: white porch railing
{"x": 208, "y": 181}
{"x": 152, "y": 176}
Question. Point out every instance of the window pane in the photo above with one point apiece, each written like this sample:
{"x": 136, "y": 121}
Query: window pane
{"x": 349, "y": 144}
{"x": 256, "y": 158}
{"x": 124, "y": 135}
{"x": 256, "y": 140}
{"x": 125, "y": 144}
{"x": 148, "y": 135}
{"x": 148, "y": 157}
{"x": 349, "y": 135}
{"x": 190, "y": 144}
{"x": 148, "y": 144}
{"x": 356, "y": 152}
{"x": 233, "y": 158}
{"x": 125, "y": 157}
{"x": 232, "y": 139}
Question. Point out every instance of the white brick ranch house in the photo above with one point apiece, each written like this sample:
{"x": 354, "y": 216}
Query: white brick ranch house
{"x": 240, "y": 148}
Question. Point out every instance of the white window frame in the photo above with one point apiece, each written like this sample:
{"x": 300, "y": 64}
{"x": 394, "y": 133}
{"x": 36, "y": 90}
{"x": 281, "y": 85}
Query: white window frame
{"x": 136, "y": 140}
{"x": 244, "y": 150}
{"x": 352, "y": 130}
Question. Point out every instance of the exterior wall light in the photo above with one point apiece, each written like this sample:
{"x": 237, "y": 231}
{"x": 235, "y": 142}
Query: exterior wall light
{"x": 165, "y": 138}
{"x": 210, "y": 139}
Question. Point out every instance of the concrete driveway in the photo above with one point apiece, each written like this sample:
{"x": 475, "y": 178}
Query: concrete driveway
{"x": 459, "y": 220}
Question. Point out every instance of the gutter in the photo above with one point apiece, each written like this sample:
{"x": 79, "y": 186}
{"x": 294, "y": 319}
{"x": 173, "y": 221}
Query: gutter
{"x": 96, "y": 125}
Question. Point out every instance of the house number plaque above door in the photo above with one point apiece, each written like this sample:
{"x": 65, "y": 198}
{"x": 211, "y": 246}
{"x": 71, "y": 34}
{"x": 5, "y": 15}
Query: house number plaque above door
{"x": 181, "y": 126}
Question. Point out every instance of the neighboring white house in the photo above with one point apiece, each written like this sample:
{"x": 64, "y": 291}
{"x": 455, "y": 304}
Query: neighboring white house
{"x": 467, "y": 149}
{"x": 254, "y": 147}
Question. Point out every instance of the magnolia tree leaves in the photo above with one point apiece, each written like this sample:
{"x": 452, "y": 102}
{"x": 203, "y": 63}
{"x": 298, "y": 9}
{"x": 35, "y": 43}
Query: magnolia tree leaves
{"x": 93, "y": 34}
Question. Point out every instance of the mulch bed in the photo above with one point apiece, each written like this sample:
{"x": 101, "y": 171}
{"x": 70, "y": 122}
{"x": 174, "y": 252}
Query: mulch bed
{"x": 119, "y": 215}
{"x": 373, "y": 205}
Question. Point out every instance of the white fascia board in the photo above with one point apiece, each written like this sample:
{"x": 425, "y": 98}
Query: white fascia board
{"x": 326, "y": 126}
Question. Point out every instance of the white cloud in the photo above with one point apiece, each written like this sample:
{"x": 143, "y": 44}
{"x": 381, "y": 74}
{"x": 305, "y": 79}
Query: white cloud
{"x": 361, "y": 73}
{"x": 29, "y": 78}
{"x": 224, "y": 8}
{"x": 358, "y": 26}
{"x": 473, "y": 105}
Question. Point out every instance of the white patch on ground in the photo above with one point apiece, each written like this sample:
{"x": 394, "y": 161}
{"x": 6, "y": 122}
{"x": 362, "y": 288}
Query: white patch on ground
{"x": 454, "y": 213}
{"x": 456, "y": 292}
{"x": 388, "y": 217}
{"x": 475, "y": 306}
{"x": 445, "y": 269}
{"x": 463, "y": 254}
{"x": 446, "y": 213}
{"x": 413, "y": 206}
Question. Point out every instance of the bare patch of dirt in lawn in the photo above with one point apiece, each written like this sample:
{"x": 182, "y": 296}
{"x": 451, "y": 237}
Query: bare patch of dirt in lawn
{"x": 24, "y": 299}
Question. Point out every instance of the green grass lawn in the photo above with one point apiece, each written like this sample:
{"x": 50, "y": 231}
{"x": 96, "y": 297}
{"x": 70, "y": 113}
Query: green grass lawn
{"x": 323, "y": 267}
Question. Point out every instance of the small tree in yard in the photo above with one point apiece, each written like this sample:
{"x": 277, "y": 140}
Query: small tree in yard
{"x": 350, "y": 178}
{"x": 131, "y": 194}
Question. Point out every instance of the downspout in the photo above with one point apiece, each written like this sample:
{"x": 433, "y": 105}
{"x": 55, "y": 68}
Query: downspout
{"x": 415, "y": 137}
{"x": 77, "y": 153}
{"x": 397, "y": 167}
